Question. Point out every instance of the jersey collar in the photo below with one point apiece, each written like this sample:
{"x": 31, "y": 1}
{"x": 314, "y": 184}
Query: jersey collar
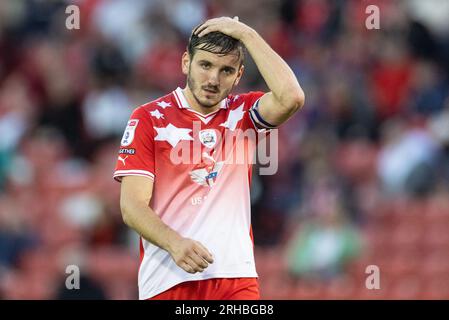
{"x": 182, "y": 103}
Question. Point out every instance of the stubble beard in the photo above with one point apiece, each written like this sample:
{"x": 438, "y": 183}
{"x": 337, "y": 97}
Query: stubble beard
{"x": 205, "y": 104}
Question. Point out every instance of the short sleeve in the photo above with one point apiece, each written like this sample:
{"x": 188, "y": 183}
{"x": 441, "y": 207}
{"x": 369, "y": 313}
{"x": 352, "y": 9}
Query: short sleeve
{"x": 136, "y": 153}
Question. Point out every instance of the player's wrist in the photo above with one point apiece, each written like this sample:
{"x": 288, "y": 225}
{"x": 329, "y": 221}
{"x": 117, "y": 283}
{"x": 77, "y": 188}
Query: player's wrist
{"x": 248, "y": 34}
{"x": 172, "y": 242}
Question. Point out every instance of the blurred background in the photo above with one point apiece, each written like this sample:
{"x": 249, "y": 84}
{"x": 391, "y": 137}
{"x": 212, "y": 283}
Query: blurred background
{"x": 363, "y": 172}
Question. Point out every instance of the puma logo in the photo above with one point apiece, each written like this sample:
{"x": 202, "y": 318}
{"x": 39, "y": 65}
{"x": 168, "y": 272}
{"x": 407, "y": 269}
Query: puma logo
{"x": 122, "y": 159}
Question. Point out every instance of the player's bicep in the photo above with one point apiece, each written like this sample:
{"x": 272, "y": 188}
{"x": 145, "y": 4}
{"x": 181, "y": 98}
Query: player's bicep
{"x": 136, "y": 191}
{"x": 271, "y": 112}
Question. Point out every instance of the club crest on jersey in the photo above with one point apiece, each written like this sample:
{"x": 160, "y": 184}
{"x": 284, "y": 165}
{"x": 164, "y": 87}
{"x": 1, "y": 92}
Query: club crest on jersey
{"x": 208, "y": 137}
{"x": 128, "y": 136}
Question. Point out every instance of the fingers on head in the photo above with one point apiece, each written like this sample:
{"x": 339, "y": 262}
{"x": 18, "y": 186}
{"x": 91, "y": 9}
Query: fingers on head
{"x": 195, "y": 30}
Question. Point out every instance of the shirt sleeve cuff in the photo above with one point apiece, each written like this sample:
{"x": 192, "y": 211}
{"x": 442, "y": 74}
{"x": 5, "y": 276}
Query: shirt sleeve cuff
{"x": 121, "y": 173}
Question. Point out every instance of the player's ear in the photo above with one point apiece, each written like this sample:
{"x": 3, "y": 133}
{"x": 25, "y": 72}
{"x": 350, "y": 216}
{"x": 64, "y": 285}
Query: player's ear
{"x": 239, "y": 75}
{"x": 185, "y": 62}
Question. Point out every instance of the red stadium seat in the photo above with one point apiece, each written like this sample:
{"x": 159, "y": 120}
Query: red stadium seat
{"x": 342, "y": 288}
{"x": 406, "y": 288}
{"x": 308, "y": 290}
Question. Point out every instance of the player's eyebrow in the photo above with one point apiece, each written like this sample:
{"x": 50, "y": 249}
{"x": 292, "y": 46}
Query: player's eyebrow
{"x": 225, "y": 67}
{"x": 205, "y": 61}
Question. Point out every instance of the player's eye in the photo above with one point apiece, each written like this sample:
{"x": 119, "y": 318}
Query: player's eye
{"x": 205, "y": 65}
{"x": 228, "y": 71}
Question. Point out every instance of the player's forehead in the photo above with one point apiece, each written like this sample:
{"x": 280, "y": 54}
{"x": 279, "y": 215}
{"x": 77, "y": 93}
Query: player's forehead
{"x": 231, "y": 59}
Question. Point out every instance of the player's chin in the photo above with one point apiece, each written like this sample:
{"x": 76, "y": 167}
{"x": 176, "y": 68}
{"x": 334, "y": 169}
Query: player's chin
{"x": 210, "y": 101}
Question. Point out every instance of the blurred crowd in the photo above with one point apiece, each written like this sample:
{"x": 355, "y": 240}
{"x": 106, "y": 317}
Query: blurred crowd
{"x": 371, "y": 143}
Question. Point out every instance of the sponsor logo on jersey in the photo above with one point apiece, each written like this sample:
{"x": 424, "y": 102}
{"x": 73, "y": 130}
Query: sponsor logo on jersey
{"x": 207, "y": 175}
{"x": 127, "y": 151}
{"x": 206, "y": 178}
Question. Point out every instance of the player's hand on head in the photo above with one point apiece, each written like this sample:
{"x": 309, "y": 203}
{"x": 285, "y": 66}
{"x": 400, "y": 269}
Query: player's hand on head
{"x": 191, "y": 256}
{"x": 229, "y": 26}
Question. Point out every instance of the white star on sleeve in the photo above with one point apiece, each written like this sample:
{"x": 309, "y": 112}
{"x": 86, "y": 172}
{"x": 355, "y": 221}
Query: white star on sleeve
{"x": 233, "y": 118}
{"x": 172, "y": 134}
{"x": 164, "y": 104}
{"x": 157, "y": 114}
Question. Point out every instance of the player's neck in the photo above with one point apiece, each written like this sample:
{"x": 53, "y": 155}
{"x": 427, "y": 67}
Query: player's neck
{"x": 195, "y": 105}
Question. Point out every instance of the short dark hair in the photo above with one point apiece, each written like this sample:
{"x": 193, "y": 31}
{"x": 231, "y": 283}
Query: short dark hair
{"x": 216, "y": 42}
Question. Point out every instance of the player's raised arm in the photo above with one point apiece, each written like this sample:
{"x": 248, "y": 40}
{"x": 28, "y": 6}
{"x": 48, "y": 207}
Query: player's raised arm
{"x": 135, "y": 196}
{"x": 286, "y": 96}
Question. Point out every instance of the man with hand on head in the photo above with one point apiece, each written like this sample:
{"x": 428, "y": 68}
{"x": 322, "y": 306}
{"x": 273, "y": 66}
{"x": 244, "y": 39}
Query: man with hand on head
{"x": 194, "y": 218}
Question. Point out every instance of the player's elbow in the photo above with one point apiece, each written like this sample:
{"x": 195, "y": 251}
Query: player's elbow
{"x": 294, "y": 100}
{"x": 297, "y": 100}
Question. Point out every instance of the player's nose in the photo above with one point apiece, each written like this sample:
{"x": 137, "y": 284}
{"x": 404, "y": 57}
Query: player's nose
{"x": 213, "y": 80}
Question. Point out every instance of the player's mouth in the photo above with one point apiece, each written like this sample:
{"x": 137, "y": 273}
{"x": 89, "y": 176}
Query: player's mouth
{"x": 210, "y": 91}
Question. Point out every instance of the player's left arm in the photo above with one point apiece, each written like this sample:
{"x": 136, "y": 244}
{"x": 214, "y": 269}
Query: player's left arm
{"x": 286, "y": 96}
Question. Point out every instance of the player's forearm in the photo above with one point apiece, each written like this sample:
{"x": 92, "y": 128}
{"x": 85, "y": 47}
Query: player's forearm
{"x": 147, "y": 223}
{"x": 277, "y": 74}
